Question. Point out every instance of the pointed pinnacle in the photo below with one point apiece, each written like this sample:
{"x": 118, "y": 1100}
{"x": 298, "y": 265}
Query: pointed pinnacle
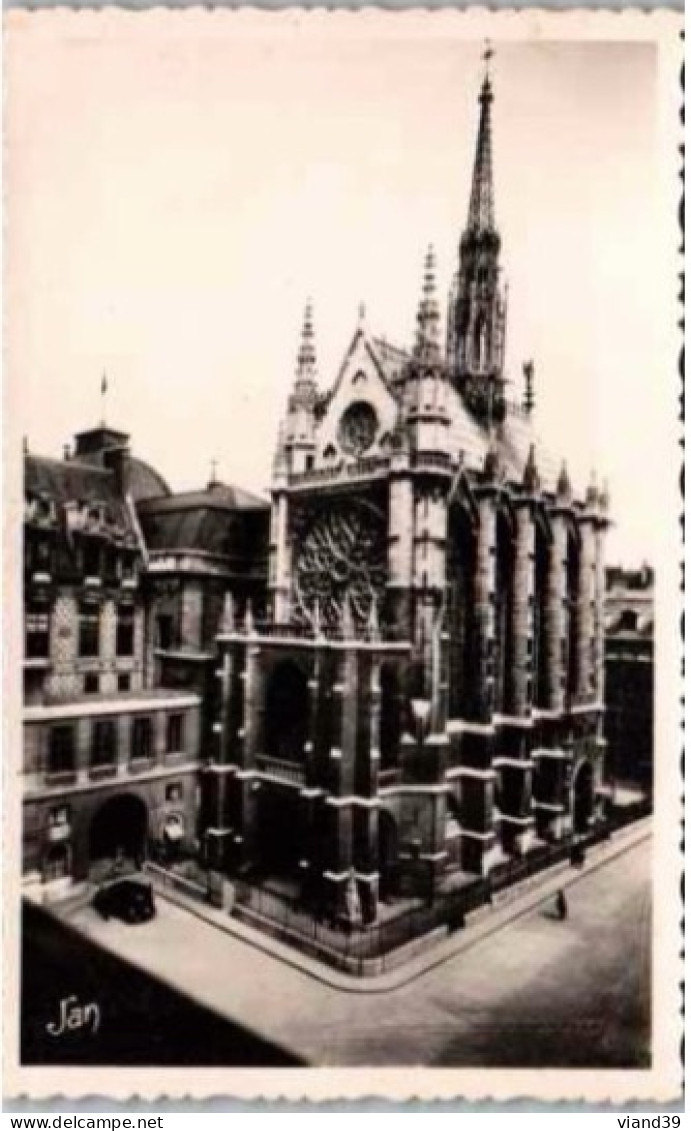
{"x": 373, "y": 621}
{"x": 427, "y": 344}
{"x": 564, "y": 484}
{"x": 228, "y": 614}
{"x": 249, "y": 619}
{"x": 531, "y": 477}
{"x": 592, "y": 494}
{"x": 307, "y": 358}
{"x": 347, "y": 622}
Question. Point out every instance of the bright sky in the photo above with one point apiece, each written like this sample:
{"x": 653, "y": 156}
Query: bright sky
{"x": 175, "y": 195}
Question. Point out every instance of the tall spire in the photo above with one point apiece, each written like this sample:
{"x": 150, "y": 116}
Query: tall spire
{"x": 481, "y": 207}
{"x": 427, "y": 343}
{"x": 295, "y": 452}
{"x": 479, "y": 321}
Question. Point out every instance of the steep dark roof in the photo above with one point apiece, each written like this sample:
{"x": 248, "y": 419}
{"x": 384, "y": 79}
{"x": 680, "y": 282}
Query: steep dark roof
{"x": 226, "y": 521}
{"x": 217, "y": 496}
{"x": 68, "y": 480}
{"x": 70, "y": 484}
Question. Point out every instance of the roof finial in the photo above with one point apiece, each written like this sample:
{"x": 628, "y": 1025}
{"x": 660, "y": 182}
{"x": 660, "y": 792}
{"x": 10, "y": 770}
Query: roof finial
{"x": 213, "y": 481}
{"x": 427, "y": 344}
{"x": 487, "y": 56}
{"x": 481, "y": 208}
{"x": 361, "y": 314}
{"x": 592, "y": 494}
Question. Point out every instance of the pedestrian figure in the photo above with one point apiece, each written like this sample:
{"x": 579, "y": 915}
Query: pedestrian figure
{"x": 561, "y": 904}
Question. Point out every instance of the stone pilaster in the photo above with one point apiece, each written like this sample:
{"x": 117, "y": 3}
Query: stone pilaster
{"x": 485, "y": 589}
{"x": 253, "y": 704}
{"x": 191, "y": 614}
{"x": 556, "y": 636}
{"x": 281, "y": 558}
{"x": 599, "y": 612}
{"x": 586, "y": 682}
{"x": 338, "y": 850}
{"x": 400, "y": 546}
{"x": 523, "y": 591}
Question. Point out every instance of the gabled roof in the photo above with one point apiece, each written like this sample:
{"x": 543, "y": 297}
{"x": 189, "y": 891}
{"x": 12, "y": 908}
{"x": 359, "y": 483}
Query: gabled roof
{"x": 392, "y": 359}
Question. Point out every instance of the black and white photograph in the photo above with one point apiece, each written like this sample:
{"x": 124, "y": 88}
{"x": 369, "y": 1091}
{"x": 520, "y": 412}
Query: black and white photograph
{"x": 343, "y": 453}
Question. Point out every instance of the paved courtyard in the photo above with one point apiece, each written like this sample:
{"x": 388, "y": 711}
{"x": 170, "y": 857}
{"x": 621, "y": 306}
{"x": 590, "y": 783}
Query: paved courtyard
{"x": 535, "y": 992}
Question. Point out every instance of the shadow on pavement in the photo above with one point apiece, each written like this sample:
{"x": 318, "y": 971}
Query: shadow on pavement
{"x": 142, "y": 1021}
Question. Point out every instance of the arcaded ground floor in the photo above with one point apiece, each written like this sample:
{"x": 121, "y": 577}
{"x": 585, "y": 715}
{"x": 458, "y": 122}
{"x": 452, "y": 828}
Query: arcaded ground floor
{"x": 536, "y": 992}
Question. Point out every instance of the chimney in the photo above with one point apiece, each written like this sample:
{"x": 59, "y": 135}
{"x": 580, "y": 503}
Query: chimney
{"x": 116, "y": 460}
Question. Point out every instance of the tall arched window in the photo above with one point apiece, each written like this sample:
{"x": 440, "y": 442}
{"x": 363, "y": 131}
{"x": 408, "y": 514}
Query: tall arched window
{"x": 540, "y": 656}
{"x": 287, "y": 712}
{"x": 505, "y": 569}
{"x": 460, "y": 605}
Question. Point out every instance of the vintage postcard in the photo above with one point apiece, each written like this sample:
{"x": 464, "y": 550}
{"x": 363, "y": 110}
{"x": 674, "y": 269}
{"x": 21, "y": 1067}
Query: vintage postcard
{"x": 342, "y": 454}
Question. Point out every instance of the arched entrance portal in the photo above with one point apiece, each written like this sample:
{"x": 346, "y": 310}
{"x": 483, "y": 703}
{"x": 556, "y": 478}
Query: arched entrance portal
{"x": 583, "y": 797}
{"x": 287, "y": 712}
{"x": 387, "y": 835}
{"x": 118, "y": 830}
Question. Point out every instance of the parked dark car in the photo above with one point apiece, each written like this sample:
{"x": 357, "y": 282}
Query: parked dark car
{"x": 131, "y": 900}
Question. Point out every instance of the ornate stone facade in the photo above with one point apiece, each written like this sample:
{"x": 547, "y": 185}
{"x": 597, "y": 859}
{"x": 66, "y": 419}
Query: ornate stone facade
{"x": 434, "y": 659}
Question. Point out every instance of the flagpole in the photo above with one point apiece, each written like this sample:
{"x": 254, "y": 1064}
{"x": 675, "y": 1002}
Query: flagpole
{"x": 104, "y": 390}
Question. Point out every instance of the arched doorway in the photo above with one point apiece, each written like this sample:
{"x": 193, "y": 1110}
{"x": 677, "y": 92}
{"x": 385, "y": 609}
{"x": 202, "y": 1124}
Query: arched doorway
{"x": 287, "y": 712}
{"x": 282, "y": 839}
{"x": 583, "y": 797}
{"x": 387, "y": 838}
{"x": 118, "y": 830}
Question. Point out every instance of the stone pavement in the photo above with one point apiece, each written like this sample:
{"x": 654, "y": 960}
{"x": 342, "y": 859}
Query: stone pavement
{"x": 518, "y": 988}
{"x": 508, "y": 905}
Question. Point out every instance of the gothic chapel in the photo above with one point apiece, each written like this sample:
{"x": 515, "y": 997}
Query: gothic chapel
{"x": 425, "y": 698}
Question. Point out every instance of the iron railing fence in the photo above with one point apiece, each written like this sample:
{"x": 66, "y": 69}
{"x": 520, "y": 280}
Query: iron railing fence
{"x": 352, "y": 944}
{"x": 358, "y": 942}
